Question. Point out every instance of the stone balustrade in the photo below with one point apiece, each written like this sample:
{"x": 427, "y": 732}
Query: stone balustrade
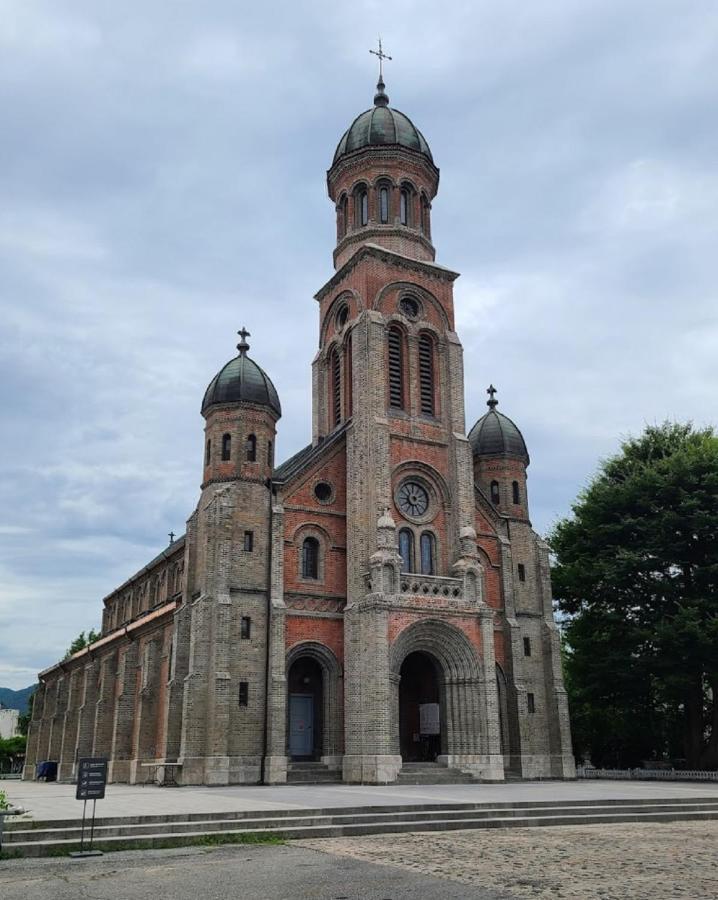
{"x": 431, "y": 586}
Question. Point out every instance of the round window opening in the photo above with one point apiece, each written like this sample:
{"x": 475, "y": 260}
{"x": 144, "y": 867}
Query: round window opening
{"x": 410, "y": 307}
{"x": 413, "y": 499}
{"x": 323, "y": 492}
{"x": 342, "y": 316}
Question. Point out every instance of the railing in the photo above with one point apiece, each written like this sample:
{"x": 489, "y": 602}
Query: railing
{"x": 431, "y": 585}
{"x": 647, "y": 774}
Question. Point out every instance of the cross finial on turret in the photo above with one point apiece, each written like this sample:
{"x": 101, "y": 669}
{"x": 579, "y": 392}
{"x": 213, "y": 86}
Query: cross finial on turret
{"x": 171, "y": 536}
{"x": 380, "y": 98}
{"x": 492, "y": 401}
{"x": 243, "y": 346}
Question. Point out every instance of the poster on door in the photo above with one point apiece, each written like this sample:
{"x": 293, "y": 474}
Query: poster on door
{"x": 429, "y": 718}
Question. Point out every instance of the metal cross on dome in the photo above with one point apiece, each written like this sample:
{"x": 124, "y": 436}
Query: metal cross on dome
{"x": 491, "y": 402}
{"x": 382, "y": 56}
{"x": 243, "y": 346}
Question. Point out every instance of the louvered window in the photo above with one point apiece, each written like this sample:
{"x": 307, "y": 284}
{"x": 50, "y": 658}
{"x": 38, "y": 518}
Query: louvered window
{"x": 336, "y": 388}
{"x": 426, "y": 374}
{"x": 396, "y": 369}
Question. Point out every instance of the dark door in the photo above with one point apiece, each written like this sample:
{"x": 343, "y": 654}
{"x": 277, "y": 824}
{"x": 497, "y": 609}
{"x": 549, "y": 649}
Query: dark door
{"x": 301, "y": 724}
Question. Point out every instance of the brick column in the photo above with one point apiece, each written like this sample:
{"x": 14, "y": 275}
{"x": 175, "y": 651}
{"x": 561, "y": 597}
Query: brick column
{"x": 66, "y": 770}
{"x": 88, "y": 706}
{"x": 104, "y": 707}
{"x": 32, "y": 757}
{"x": 146, "y": 725}
{"x": 124, "y": 714}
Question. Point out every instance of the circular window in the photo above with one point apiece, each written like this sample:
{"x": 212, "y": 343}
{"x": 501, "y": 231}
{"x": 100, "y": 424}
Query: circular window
{"x": 413, "y": 499}
{"x": 410, "y": 307}
{"x": 342, "y": 315}
{"x": 323, "y": 492}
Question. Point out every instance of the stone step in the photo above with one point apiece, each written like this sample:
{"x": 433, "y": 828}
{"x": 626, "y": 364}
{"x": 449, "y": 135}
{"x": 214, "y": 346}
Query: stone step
{"x": 41, "y": 841}
{"x": 313, "y": 776}
{"x": 251, "y": 821}
{"x": 507, "y": 807}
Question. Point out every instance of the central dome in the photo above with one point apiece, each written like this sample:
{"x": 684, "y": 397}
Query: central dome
{"x": 382, "y": 126}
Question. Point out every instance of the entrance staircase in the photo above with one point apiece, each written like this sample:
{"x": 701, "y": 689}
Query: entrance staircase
{"x": 312, "y": 773}
{"x": 53, "y": 838}
{"x": 432, "y": 773}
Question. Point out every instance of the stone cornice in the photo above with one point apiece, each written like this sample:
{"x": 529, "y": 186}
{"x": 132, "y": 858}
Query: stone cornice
{"x": 390, "y": 257}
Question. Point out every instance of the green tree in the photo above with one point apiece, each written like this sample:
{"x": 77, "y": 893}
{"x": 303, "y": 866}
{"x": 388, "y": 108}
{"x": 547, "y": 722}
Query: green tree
{"x": 24, "y": 719}
{"x": 82, "y": 641}
{"x": 636, "y": 575}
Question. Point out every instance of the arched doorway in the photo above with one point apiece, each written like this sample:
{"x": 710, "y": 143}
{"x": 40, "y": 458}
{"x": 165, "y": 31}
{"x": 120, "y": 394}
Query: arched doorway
{"x": 305, "y": 709}
{"x": 420, "y": 708}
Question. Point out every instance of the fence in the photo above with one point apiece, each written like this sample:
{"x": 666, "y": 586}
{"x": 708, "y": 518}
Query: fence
{"x": 647, "y": 774}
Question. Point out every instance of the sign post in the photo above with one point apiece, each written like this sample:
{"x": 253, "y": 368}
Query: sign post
{"x": 91, "y": 781}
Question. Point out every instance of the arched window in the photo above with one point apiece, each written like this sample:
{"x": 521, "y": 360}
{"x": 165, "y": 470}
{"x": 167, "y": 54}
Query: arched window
{"x": 383, "y": 204}
{"x": 361, "y": 207}
{"x": 424, "y": 209}
{"x": 396, "y": 368}
{"x": 226, "y": 447}
{"x": 270, "y": 453}
{"x": 406, "y": 549}
{"x": 348, "y": 376}
{"x": 335, "y": 388}
{"x": 343, "y": 217}
{"x": 426, "y": 374}
{"x": 250, "y": 449}
{"x": 516, "y": 494}
{"x": 405, "y": 206}
{"x": 208, "y": 453}
{"x": 310, "y": 558}
{"x": 495, "y": 498}
{"x": 428, "y": 554}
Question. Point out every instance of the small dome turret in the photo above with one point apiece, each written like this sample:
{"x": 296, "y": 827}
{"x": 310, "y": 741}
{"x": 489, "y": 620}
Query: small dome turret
{"x": 241, "y": 379}
{"x": 496, "y": 435}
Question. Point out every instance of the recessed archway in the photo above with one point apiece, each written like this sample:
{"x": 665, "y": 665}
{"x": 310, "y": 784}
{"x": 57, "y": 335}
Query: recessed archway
{"x": 420, "y": 708}
{"x": 305, "y": 709}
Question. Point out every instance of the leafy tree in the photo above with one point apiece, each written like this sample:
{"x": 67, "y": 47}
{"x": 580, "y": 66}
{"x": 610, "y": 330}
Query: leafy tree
{"x": 12, "y": 751}
{"x": 24, "y": 719}
{"x": 636, "y": 574}
{"x": 81, "y": 642}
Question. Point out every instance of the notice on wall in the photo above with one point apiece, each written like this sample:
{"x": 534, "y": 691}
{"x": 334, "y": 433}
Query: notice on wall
{"x": 429, "y": 718}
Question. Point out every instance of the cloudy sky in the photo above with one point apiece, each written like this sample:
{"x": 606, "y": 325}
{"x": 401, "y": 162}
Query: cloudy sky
{"x": 162, "y": 183}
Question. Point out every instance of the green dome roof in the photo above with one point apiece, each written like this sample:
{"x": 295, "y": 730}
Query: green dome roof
{"x": 241, "y": 379}
{"x": 382, "y": 126}
{"x": 496, "y": 435}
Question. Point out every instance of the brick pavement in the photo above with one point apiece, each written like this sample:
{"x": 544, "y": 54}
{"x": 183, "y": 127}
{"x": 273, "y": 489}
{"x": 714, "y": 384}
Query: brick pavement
{"x": 596, "y": 862}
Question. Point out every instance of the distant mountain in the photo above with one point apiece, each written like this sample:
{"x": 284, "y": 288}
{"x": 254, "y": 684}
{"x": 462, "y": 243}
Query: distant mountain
{"x": 16, "y": 699}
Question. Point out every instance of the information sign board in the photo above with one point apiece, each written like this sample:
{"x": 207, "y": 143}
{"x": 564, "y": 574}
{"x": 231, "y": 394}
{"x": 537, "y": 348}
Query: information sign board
{"x": 91, "y": 779}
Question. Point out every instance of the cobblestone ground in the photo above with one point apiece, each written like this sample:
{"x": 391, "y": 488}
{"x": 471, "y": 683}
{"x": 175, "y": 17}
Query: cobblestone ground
{"x": 596, "y": 862}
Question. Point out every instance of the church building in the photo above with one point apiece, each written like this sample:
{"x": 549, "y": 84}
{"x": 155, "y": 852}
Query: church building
{"x": 376, "y": 605}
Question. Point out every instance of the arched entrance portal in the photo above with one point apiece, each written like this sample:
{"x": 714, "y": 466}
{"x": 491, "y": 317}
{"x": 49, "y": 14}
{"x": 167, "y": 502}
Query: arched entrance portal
{"x": 420, "y": 708}
{"x": 305, "y": 709}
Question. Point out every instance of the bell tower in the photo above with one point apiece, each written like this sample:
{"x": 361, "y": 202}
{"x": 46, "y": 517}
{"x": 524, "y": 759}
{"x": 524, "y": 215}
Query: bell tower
{"x": 389, "y": 372}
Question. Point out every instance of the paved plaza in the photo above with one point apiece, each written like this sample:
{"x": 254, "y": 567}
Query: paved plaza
{"x": 57, "y": 801}
{"x": 593, "y": 862}
{"x": 598, "y": 862}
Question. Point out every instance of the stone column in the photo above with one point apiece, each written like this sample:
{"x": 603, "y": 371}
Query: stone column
{"x": 275, "y": 761}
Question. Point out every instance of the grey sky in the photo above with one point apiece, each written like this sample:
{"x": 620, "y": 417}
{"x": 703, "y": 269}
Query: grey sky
{"x": 162, "y": 171}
